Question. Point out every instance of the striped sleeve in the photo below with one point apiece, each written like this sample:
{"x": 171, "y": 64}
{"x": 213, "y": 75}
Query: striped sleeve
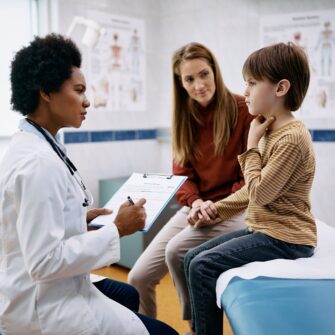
{"x": 266, "y": 184}
{"x": 233, "y": 204}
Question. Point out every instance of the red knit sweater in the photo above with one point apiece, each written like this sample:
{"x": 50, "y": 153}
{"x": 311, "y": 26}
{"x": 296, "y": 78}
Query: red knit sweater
{"x": 213, "y": 177}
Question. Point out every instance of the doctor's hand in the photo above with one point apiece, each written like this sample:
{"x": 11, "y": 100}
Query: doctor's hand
{"x": 130, "y": 218}
{"x": 93, "y": 213}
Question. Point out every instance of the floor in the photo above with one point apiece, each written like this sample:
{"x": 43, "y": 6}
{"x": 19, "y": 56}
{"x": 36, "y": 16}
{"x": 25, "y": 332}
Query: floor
{"x": 168, "y": 305}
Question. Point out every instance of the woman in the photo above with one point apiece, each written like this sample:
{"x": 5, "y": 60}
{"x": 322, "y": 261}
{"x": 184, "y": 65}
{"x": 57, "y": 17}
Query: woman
{"x": 46, "y": 251}
{"x": 210, "y": 128}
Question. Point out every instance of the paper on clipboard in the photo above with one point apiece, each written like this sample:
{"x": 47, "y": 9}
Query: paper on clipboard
{"x": 157, "y": 189}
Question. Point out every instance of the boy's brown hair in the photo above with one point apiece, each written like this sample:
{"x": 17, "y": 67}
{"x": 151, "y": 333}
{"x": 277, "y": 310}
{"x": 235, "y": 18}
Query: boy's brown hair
{"x": 281, "y": 61}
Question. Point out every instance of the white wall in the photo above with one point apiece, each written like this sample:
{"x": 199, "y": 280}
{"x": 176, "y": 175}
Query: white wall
{"x": 4, "y": 142}
{"x": 15, "y": 20}
{"x": 323, "y": 198}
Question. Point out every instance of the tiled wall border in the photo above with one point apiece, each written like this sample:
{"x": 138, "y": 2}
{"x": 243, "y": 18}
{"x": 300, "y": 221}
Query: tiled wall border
{"x": 319, "y": 135}
{"x": 71, "y": 137}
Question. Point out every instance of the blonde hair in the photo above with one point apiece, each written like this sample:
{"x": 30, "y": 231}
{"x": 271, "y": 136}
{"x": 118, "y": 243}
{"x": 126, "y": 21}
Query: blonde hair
{"x": 185, "y": 112}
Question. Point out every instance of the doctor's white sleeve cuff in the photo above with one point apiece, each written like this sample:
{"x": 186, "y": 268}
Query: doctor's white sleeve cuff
{"x": 112, "y": 234}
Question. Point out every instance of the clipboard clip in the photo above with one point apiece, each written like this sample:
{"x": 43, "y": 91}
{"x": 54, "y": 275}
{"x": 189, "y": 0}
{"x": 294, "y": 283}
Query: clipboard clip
{"x": 157, "y": 175}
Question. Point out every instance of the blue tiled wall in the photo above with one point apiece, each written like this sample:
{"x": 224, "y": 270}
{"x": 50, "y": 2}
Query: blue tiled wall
{"x": 109, "y": 135}
{"x": 318, "y": 135}
{"x": 77, "y": 137}
{"x": 323, "y": 135}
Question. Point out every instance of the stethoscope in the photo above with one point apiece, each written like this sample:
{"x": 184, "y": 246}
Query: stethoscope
{"x": 88, "y": 199}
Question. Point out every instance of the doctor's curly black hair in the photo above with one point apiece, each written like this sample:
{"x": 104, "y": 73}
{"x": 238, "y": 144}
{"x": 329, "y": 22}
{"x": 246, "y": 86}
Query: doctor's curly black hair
{"x": 43, "y": 65}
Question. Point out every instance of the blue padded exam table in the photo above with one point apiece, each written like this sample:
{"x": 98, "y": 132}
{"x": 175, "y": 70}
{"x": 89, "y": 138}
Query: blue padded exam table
{"x": 279, "y": 306}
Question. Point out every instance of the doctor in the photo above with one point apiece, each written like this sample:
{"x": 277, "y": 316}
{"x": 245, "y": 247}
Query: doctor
{"x": 46, "y": 253}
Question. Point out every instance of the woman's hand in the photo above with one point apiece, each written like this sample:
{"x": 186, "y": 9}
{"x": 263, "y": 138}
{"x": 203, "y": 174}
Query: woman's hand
{"x": 203, "y": 213}
{"x": 93, "y": 213}
{"x": 193, "y": 215}
{"x": 258, "y": 127}
{"x": 201, "y": 224}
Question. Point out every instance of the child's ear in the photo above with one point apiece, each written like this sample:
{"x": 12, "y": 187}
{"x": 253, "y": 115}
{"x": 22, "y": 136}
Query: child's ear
{"x": 282, "y": 87}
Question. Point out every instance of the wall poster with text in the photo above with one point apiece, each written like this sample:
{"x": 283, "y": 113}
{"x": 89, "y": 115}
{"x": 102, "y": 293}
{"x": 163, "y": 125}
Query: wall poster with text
{"x": 314, "y": 32}
{"x": 117, "y": 64}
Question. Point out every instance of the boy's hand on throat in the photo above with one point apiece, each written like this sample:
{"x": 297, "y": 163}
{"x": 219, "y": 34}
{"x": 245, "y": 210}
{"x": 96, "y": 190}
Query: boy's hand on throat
{"x": 258, "y": 128}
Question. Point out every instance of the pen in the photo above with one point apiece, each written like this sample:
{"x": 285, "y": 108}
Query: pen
{"x": 130, "y": 200}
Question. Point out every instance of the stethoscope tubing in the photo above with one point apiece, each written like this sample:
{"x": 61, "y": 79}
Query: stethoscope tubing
{"x": 71, "y": 167}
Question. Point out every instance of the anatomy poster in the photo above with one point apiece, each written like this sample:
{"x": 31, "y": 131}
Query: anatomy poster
{"x": 117, "y": 64}
{"x": 315, "y": 33}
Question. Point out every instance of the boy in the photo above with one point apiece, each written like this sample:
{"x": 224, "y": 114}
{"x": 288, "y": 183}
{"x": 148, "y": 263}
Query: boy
{"x": 278, "y": 168}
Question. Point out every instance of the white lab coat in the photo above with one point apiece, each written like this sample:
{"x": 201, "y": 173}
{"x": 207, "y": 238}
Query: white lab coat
{"x": 46, "y": 252}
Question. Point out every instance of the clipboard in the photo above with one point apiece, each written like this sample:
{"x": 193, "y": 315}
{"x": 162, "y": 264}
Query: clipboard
{"x": 156, "y": 188}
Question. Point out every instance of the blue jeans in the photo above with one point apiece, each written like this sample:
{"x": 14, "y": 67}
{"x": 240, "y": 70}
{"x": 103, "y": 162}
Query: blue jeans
{"x": 204, "y": 264}
{"x": 156, "y": 327}
{"x": 128, "y": 296}
{"x": 122, "y": 293}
